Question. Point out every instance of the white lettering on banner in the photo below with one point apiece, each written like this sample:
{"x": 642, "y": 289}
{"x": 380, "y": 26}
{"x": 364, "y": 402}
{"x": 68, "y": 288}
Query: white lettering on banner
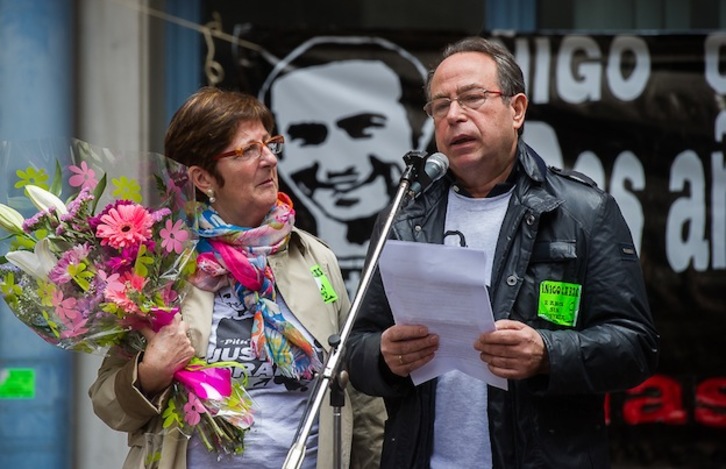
{"x": 539, "y": 90}
{"x": 718, "y": 204}
{"x": 622, "y": 87}
{"x": 718, "y": 196}
{"x": 686, "y": 224}
{"x": 628, "y": 168}
{"x": 715, "y": 44}
{"x": 542, "y": 61}
{"x": 589, "y": 163}
{"x": 579, "y": 68}
{"x": 582, "y": 84}
{"x": 522, "y": 56}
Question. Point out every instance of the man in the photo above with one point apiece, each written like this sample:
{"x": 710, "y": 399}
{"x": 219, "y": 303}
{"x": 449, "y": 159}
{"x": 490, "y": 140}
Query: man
{"x": 347, "y": 126}
{"x": 572, "y": 318}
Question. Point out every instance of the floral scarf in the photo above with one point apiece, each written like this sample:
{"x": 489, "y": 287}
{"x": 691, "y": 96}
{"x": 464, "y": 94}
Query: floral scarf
{"x": 230, "y": 253}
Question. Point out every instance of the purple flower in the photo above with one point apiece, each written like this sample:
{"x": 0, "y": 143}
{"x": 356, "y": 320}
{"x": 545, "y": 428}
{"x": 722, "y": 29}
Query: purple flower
{"x": 60, "y": 273}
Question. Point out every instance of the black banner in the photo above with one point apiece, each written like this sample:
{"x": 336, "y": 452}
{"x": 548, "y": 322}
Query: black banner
{"x": 644, "y": 116}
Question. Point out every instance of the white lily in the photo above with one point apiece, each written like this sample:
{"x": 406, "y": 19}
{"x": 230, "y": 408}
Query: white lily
{"x": 44, "y": 200}
{"x": 37, "y": 263}
{"x": 10, "y": 219}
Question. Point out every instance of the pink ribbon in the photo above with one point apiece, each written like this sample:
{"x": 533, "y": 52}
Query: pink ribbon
{"x": 207, "y": 383}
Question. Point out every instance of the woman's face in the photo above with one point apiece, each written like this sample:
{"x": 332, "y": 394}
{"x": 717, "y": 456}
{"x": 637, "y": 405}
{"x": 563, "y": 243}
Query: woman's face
{"x": 250, "y": 185}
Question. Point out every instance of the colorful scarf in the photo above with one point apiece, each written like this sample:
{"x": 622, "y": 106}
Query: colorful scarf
{"x": 230, "y": 253}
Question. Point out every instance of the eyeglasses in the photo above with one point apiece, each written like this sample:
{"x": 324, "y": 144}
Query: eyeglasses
{"x": 474, "y": 99}
{"x": 253, "y": 150}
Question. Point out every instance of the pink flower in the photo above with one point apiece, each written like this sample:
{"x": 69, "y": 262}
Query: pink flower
{"x": 125, "y": 225}
{"x": 110, "y": 282}
{"x": 173, "y": 236}
{"x": 134, "y": 281}
{"x": 121, "y": 291}
{"x": 168, "y": 294}
{"x": 65, "y": 308}
{"x": 126, "y": 258}
{"x": 84, "y": 176}
{"x": 120, "y": 298}
{"x": 193, "y": 410}
{"x": 75, "y": 327}
{"x": 93, "y": 222}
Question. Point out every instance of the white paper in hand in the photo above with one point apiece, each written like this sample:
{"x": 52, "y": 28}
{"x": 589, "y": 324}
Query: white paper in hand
{"x": 444, "y": 289}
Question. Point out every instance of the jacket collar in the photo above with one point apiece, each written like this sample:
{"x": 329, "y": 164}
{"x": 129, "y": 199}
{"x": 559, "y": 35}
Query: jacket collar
{"x": 531, "y": 163}
{"x": 298, "y": 241}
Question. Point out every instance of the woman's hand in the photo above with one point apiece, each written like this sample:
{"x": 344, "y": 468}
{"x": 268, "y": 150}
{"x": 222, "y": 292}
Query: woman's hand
{"x": 167, "y": 351}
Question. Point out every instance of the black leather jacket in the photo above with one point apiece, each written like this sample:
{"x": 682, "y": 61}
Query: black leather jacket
{"x": 558, "y": 227}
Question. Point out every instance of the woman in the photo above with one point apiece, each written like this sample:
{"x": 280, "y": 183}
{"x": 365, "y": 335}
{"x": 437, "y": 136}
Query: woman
{"x": 225, "y": 138}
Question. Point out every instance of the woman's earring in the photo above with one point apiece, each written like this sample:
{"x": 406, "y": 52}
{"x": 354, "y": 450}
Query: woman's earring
{"x": 210, "y": 194}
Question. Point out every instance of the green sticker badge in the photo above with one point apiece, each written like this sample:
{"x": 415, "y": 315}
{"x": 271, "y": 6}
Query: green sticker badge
{"x": 559, "y": 302}
{"x": 326, "y": 289}
{"x": 17, "y": 383}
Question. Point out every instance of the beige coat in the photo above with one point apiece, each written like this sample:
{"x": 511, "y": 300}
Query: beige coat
{"x": 119, "y": 403}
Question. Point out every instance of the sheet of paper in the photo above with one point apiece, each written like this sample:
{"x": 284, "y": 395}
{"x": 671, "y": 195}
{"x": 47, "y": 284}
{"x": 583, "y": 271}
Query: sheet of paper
{"x": 443, "y": 288}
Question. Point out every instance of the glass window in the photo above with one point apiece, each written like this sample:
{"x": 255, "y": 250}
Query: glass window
{"x": 629, "y": 15}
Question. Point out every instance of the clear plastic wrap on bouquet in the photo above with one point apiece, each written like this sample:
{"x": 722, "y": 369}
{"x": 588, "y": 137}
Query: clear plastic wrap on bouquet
{"x": 208, "y": 401}
{"x": 106, "y": 249}
{"x": 106, "y": 244}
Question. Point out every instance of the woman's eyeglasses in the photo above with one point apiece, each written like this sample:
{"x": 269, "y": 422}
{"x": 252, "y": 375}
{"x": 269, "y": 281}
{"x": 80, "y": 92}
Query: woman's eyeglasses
{"x": 253, "y": 150}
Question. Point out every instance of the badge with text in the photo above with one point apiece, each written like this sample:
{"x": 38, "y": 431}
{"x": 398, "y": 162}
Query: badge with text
{"x": 559, "y": 302}
{"x": 326, "y": 289}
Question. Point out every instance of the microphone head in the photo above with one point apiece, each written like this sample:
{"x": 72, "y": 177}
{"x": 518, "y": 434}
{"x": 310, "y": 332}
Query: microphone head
{"x": 436, "y": 165}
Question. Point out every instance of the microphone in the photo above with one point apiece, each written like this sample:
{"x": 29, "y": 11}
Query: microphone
{"x": 434, "y": 167}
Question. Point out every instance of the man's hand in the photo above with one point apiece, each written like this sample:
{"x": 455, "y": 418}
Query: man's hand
{"x": 513, "y": 351}
{"x": 406, "y": 348}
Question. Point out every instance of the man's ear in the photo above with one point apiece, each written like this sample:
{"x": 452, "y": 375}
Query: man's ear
{"x": 201, "y": 179}
{"x": 519, "y": 106}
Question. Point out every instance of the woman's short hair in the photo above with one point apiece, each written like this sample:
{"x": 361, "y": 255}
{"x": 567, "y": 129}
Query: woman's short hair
{"x": 206, "y": 124}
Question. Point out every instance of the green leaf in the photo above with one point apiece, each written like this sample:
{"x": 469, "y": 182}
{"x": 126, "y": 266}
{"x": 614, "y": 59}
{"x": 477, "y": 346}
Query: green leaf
{"x": 57, "y": 185}
{"x": 98, "y": 192}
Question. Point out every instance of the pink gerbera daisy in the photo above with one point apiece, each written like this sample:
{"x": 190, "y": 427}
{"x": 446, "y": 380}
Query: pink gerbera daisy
{"x": 125, "y": 225}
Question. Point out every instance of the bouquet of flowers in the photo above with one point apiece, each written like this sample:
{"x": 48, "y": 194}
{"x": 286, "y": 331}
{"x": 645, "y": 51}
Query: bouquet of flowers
{"x": 87, "y": 271}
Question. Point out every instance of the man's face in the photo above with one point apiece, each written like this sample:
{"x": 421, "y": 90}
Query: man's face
{"x": 345, "y": 135}
{"x": 478, "y": 142}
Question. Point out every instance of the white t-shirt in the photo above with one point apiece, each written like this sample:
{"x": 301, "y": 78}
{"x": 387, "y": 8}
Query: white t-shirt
{"x": 279, "y": 402}
{"x": 461, "y": 425}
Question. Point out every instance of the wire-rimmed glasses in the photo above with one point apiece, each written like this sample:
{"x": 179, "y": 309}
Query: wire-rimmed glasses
{"x": 472, "y": 99}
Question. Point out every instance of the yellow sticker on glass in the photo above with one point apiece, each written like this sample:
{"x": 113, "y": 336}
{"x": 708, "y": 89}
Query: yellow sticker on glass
{"x": 559, "y": 302}
{"x": 326, "y": 289}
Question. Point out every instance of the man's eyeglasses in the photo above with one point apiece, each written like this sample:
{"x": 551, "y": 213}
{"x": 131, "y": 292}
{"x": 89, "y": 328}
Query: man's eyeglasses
{"x": 474, "y": 99}
{"x": 253, "y": 150}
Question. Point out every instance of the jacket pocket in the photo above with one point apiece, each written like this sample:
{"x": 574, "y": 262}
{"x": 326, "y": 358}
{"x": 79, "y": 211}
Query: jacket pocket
{"x": 551, "y": 261}
{"x": 553, "y": 252}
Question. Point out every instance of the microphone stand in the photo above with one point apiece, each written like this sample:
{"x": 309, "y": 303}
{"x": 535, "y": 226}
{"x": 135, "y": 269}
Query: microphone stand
{"x": 331, "y": 377}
